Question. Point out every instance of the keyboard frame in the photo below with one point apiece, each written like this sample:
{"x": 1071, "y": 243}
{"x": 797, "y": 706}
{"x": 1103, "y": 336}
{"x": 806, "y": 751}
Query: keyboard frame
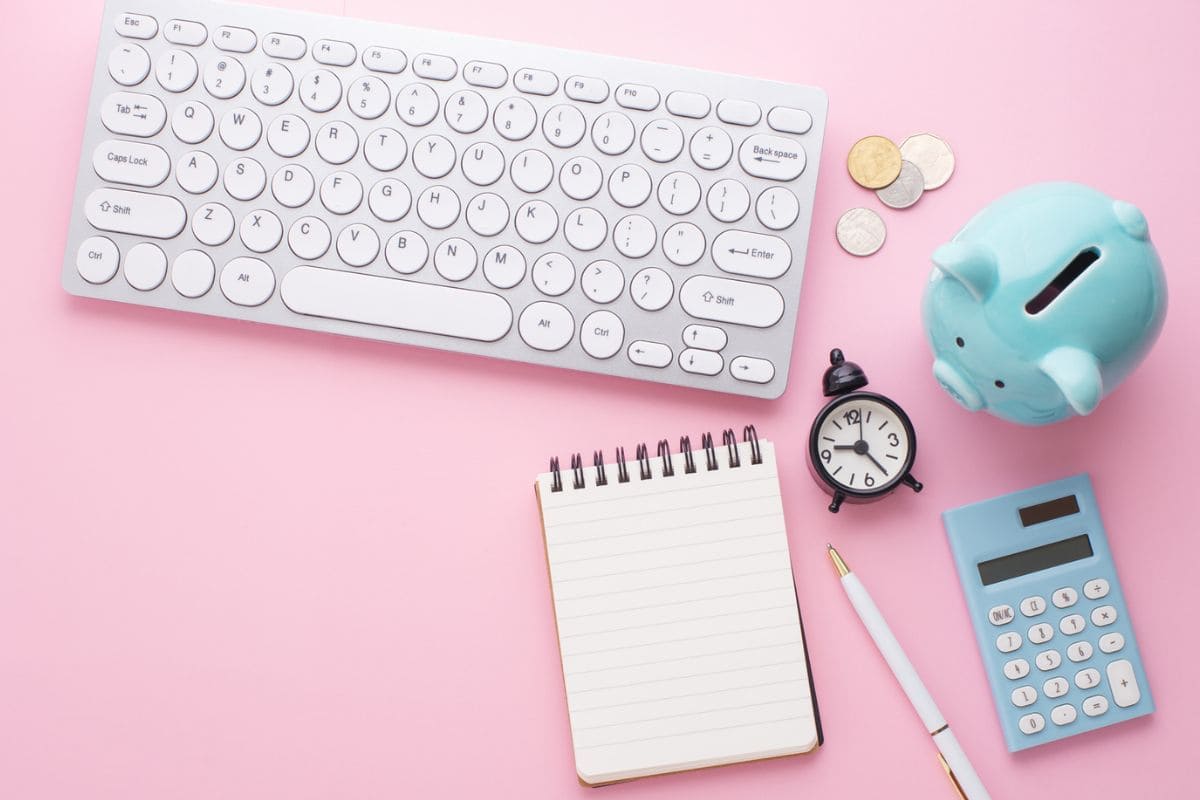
{"x": 774, "y": 343}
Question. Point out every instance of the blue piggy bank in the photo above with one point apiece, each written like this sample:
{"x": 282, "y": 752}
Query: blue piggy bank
{"x": 1043, "y": 303}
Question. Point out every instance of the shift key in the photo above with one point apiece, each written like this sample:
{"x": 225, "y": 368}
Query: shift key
{"x": 726, "y": 300}
{"x": 136, "y": 213}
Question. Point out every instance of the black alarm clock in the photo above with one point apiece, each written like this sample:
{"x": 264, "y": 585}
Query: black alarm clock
{"x": 862, "y": 445}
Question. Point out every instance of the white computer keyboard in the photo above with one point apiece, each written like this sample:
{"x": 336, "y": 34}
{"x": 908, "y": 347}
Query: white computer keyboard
{"x": 448, "y": 191}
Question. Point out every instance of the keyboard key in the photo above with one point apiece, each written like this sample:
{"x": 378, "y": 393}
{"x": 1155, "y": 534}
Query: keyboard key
{"x": 536, "y": 221}
{"x": 651, "y": 289}
{"x": 1008, "y": 642}
{"x": 1032, "y": 606}
{"x": 435, "y": 67}
{"x": 504, "y": 266}
{"x": 679, "y": 193}
{"x": 455, "y": 259}
{"x": 1111, "y": 642}
{"x": 131, "y": 163}
{"x": 224, "y": 77}
{"x": 771, "y": 157}
{"x": 485, "y": 73}
{"x": 334, "y": 53}
{"x": 777, "y": 208}
{"x": 1024, "y": 696}
{"x": 1064, "y": 597}
{"x": 128, "y": 64}
{"x": 192, "y": 122}
{"x": 1095, "y": 589}
{"x": 546, "y": 326}
{"x": 260, "y": 231}
{"x": 1048, "y": 660}
{"x": 271, "y": 84}
{"x": 247, "y": 281}
{"x": 1079, "y": 651}
{"x": 515, "y": 118}
{"x": 389, "y": 200}
{"x": 634, "y": 95}
{"x": 406, "y": 252}
{"x": 752, "y": 370}
{"x": 434, "y": 156}
{"x": 320, "y": 90}
{"x": 341, "y": 192}
{"x": 705, "y": 337}
{"x": 553, "y": 274}
{"x": 384, "y": 59}
{"x": 739, "y": 302}
{"x": 634, "y": 236}
{"x": 1056, "y": 687}
{"x": 1095, "y": 706}
{"x": 738, "y": 112}
{"x": 688, "y": 104}
{"x": 284, "y": 45}
{"x": 1041, "y": 633}
{"x": 564, "y": 126}
{"x": 585, "y": 229}
{"x": 466, "y": 111}
{"x": 535, "y": 81}
{"x": 407, "y": 305}
{"x": 487, "y": 214}
{"x": 613, "y": 133}
{"x": 586, "y": 90}
{"x": 1031, "y": 724}
{"x": 701, "y": 362}
{"x": 1016, "y": 669}
{"x": 240, "y": 129}
{"x": 185, "y": 32}
{"x": 145, "y": 267}
{"x": 711, "y": 148}
{"x": 212, "y": 224}
{"x": 135, "y": 213}
{"x": 649, "y": 354}
{"x": 192, "y": 273}
{"x": 97, "y": 259}
{"x": 603, "y": 282}
{"x": 292, "y": 186}
{"x": 602, "y": 334}
{"x": 438, "y": 206}
{"x": 662, "y": 140}
{"x": 483, "y": 164}
{"x": 1087, "y": 678}
{"x": 196, "y": 172}
{"x": 1063, "y": 715}
{"x": 336, "y": 143}
{"x": 1104, "y": 616}
{"x": 728, "y": 200}
{"x": 789, "y": 120}
{"x": 235, "y": 40}
{"x": 288, "y": 135}
{"x": 136, "y": 26}
{"x": 1072, "y": 624}
{"x": 1123, "y": 683}
{"x": 309, "y": 238}
{"x": 683, "y": 244}
{"x": 761, "y": 256}
{"x": 581, "y": 178}
{"x": 176, "y": 70}
{"x": 630, "y": 185}
{"x": 417, "y": 104}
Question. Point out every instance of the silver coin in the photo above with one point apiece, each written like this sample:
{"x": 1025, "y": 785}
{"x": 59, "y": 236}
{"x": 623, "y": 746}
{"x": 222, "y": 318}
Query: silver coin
{"x": 932, "y": 156}
{"x": 860, "y": 232}
{"x": 905, "y": 190}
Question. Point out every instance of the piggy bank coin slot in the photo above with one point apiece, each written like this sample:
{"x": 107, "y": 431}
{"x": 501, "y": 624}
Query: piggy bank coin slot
{"x": 1062, "y": 280}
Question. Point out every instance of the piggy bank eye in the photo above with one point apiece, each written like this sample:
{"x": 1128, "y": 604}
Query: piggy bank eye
{"x": 959, "y": 341}
{"x": 999, "y": 384}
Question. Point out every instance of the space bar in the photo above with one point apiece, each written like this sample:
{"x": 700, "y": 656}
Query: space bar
{"x": 394, "y": 303}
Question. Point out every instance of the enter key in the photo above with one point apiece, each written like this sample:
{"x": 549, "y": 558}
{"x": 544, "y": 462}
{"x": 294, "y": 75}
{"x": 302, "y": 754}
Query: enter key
{"x": 754, "y": 254}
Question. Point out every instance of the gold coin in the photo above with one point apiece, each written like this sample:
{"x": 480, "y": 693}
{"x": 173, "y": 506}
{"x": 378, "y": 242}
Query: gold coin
{"x": 874, "y": 162}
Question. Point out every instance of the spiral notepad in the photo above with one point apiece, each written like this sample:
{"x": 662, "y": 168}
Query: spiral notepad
{"x": 680, "y": 635}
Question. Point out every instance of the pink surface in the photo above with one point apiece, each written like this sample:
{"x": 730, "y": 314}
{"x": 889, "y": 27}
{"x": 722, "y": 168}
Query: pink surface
{"x": 252, "y": 562}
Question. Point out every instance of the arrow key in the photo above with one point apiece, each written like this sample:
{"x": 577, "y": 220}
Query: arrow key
{"x": 704, "y": 337}
{"x": 752, "y": 370}
{"x": 649, "y": 354}
{"x": 701, "y": 362}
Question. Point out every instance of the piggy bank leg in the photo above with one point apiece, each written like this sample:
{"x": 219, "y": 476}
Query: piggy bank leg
{"x": 1077, "y": 375}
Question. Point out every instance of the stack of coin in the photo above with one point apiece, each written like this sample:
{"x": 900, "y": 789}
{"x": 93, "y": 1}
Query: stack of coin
{"x": 898, "y": 176}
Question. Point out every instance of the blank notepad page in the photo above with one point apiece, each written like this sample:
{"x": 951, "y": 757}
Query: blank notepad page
{"x": 677, "y": 619}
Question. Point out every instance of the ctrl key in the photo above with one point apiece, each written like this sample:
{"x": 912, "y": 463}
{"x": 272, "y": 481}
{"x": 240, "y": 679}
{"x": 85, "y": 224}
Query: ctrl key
{"x": 97, "y": 259}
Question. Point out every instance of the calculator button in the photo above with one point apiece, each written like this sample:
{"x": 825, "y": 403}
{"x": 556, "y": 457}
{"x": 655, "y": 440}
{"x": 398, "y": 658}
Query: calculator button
{"x": 1031, "y": 724}
{"x": 1024, "y": 696}
{"x": 1095, "y": 589}
{"x": 1123, "y": 684}
{"x": 1065, "y": 597}
{"x": 1001, "y": 615}
{"x": 1032, "y": 606}
{"x": 1071, "y": 624}
{"x": 1095, "y": 705}
{"x": 1007, "y": 642}
{"x": 1048, "y": 660}
{"x": 1080, "y": 651}
{"x": 1063, "y": 715}
{"x": 1087, "y": 678}
{"x": 1016, "y": 669}
{"x": 1041, "y": 633}
{"x": 1055, "y": 687}
{"x": 1104, "y": 615}
{"x": 1111, "y": 642}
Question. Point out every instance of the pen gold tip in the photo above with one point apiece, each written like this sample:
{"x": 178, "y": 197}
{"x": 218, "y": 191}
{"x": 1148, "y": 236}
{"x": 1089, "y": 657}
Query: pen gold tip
{"x": 838, "y": 563}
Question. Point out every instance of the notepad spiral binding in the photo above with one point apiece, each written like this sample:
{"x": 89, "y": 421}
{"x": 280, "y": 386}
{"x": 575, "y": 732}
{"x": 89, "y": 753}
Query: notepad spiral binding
{"x": 711, "y": 459}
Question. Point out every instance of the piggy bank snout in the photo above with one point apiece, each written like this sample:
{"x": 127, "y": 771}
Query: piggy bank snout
{"x": 957, "y": 385}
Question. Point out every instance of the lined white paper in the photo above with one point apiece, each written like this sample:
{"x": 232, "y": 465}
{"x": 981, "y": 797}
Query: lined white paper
{"x": 677, "y": 617}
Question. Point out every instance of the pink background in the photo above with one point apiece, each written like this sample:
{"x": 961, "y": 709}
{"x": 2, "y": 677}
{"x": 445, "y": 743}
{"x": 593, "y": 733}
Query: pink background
{"x": 249, "y": 562}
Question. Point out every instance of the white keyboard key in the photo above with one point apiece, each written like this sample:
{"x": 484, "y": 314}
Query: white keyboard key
{"x": 688, "y": 104}
{"x": 999, "y": 615}
{"x": 132, "y": 163}
{"x": 1123, "y": 683}
{"x": 192, "y": 273}
{"x": 196, "y": 172}
{"x": 357, "y": 245}
{"x": 777, "y": 208}
{"x": 224, "y": 77}
{"x": 438, "y": 206}
{"x": 455, "y": 259}
{"x": 585, "y": 229}
{"x": 212, "y": 224}
{"x": 466, "y": 111}
{"x": 701, "y": 362}
{"x": 1080, "y": 651}
{"x": 135, "y": 213}
{"x": 133, "y": 114}
{"x": 553, "y": 274}
{"x": 753, "y": 254}
{"x": 586, "y": 90}
{"x": 97, "y": 259}
{"x": 1031, "y": 724}
{"x": 1032, "y": 606}
{"x": 603, "y": 282}
{"x": 485, "y": 73}
{"x": 504, "y": 266}
{"x": 288, "y": 135}
{"x": 738, "y": 112}
{"x": 408, "y": 305}
{"x": 728, "y": 200}
{"x": 1048, "y": 660}
{"x": 613, "y": 133}
{"x": 176, "y": 70}
{"x": 309, "y": 238}
{"x": 247, "y": 281}
{"x": 1111, "y": 642}
{"x": 651, "y": 289}
{"x": 1063, "y": 715}
{"x": 1104, "y": 616}
{"x": 739, "y": 302}
{"x": 564, "y": 126}
{"x": 336, "y": 142}
{"x": 634, "y": 236}
{"x": 406, "y": 252}
{"x": 240, "y": 129}
{"x": 192, "y": 122}
{"x": 662, "y": 140}
{"x": 1024, "y": 696}
{"x": 705, "y": 337}
{"x": 272, "y": 84}
{"x": 1056, "y": 687}
{"x": 532, "y": 171}
{"x": 546, "y": 326}
{"x": 384, "y": 59}
{"x": 581, "y": 178}
{"x": 1095, "y": 589}
{"x": 515, "y": 118}
{"x": 245, "y": 179}
{"x": 261, "y": 231}
{"x": 649, "y": 354}
{"x": 334, "y": 53}
{"x": 186, "y": 32}
{"x": 320, "y": 90}
{"x": 635, "y": 95}
{"x": 535, "y": 81}
{"x": 434, "y": 156}
{"x": 683, "y": 244}
{"x": 417, "y": 104}
{"x": 435, "y": 67}
{"x": 772, "y": 157}
{"x": 711, "y": 148}
{"x": 487, "y": 214}
{"x": 483, "y": 163}
{"x": 1071, "y": 624}
{"x": 341, "y": 192}
{"x": 284, "y": 45}
{"x": 145, "y": 267}
{"x": 292, "y": 185}
{"x": 136, "y": 26}
{"x": 1064, "y": 597}
{"x": 385, "y": 149}
{"x": 389, "y": 200}
{"x": 679, "y": 193}
{"x": 536, "y": 221}
{"x": 1016, "y": 669}
{"x": 789, "y": 120}
{"x": 1095, "y": 705}
{"x": 602, "y": 334}
{"x": 630, "y": 185}
{"x": 1087, "y": 678}
{"x": 235, "y": 40}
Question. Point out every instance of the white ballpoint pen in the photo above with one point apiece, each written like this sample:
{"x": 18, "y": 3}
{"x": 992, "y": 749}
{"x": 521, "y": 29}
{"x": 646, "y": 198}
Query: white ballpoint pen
{"x": 950, "y": 753}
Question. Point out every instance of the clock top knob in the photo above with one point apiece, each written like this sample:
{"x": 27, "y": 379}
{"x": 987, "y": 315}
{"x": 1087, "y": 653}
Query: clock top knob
{"x": 842, "y": 376}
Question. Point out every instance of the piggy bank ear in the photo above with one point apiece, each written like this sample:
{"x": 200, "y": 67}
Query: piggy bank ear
{"x": 971, "y": 264}
{"x": 1131, "y": 219}
{"x": 1077, "y": 375}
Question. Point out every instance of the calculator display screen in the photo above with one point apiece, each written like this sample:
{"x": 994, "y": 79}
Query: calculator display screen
{"x": 1046, "y": 556}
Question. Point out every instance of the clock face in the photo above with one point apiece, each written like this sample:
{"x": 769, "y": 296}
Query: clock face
{"x": 863, "y": 444}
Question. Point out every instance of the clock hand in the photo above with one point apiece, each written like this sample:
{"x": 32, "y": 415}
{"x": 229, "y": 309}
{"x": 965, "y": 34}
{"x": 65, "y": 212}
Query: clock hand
{"x": 860, "y": 424}
{"x": 843, "y": 447}
{"x": 876, "y": 463}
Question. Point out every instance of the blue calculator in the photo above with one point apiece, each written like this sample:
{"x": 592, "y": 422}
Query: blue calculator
{"x": 1049, "y": 615}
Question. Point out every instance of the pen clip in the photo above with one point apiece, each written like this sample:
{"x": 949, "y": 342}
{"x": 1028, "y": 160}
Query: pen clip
{"x": 950, "y": 774}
